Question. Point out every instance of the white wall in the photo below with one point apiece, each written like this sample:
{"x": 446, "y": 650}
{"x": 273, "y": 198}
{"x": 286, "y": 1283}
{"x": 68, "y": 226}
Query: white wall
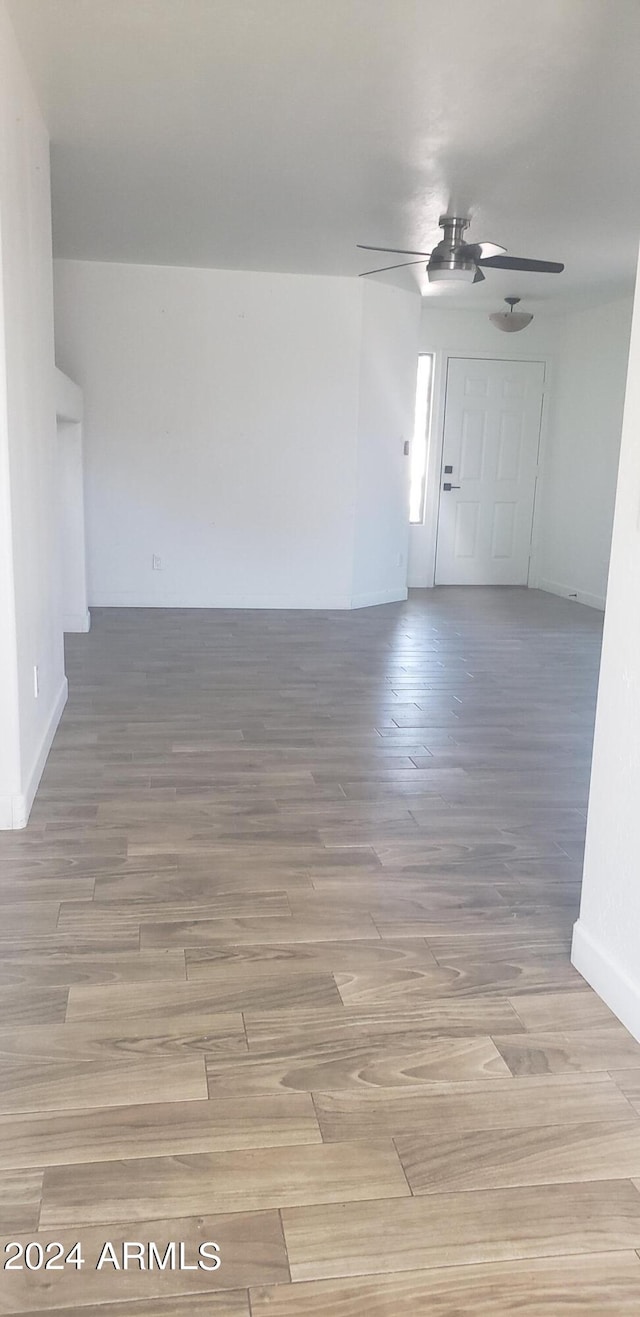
{"x": 71, "y": 542}
{"x": 9, "y": 722}
{"x": 581, "y": 466}
{"x": 70, "y": 511}
{"x": 220, "y": 414}
{"x": 606, "y": 945}
{"x": 390, "y": 328}
{"x": 222, "y": 411}
{"x": 586, "y": 351}
{"x": 69, "y": 400}
{"x": 30, "y": 623}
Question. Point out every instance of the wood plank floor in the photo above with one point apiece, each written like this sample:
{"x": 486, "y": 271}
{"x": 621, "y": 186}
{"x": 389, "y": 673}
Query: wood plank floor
{"x": 284, "y": 965}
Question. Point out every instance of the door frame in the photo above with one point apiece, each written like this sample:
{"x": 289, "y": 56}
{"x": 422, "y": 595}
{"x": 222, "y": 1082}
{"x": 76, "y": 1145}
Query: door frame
{"x": 424, "y": 570}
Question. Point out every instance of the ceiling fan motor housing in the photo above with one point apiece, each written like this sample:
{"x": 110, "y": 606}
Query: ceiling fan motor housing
{"x": 452, "y": 258}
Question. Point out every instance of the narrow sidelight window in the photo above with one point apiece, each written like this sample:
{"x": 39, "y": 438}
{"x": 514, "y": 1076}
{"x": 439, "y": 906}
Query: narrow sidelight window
{"x": 420, "y": 442}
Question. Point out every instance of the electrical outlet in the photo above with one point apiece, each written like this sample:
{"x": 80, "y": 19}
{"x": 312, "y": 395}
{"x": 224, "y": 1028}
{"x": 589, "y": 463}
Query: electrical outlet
{"x": 400, "y": 559}
{"x": 36, "y": 681}
{"x": 156, "y": 562}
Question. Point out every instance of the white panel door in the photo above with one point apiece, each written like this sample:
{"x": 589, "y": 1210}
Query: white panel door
{"x": 489, "y": 471}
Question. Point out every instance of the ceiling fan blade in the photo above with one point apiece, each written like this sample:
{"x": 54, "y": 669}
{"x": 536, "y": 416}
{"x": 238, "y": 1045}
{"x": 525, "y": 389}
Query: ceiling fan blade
{"x": 478, "y": 276}
{"x": 397, "y": 251}
{"x": 401, "y": 266}
{"x": 487, "y": 249}
{"x": 521, "y": 263}
{"x": 480, "y": 251}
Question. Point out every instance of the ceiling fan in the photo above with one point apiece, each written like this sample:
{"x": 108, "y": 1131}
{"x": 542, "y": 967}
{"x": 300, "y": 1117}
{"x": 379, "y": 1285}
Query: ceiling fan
{"x": 453, "y": 258}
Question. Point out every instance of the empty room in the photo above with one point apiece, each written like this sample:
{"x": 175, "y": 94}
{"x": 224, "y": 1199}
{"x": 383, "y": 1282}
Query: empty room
{"x": 319, "y": 658}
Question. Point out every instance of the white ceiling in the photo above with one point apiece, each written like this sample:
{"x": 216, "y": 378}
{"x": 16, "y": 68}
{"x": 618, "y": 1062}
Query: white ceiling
{"x": 275, "y": 134}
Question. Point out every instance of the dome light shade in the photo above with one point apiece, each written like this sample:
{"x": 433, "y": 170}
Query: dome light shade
{"x": 440, "y": 273}
{"x": 511, "y": 321}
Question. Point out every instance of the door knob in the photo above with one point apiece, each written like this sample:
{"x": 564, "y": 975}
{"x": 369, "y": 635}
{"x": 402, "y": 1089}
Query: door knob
{"x": 447, "y": 485}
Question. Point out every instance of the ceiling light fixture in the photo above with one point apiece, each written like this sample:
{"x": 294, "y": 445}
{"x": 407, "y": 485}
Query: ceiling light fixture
{"x": 511, "y": 321}
{"x": 440, "y": 274}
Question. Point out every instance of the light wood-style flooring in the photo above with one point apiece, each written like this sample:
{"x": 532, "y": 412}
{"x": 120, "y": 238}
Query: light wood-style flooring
{"x": 284, "y": 965}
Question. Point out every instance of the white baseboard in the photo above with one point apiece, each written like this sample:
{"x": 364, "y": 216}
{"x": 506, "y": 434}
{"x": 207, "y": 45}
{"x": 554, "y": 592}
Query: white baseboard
{"x": 620, "y": 993}
{"x": 279, "y": 603}
{"x": 566, "y": 591}
{"x": 379, "y": 597}
{"x": 77, "y": 621}
{"x": 16, "y": 810}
